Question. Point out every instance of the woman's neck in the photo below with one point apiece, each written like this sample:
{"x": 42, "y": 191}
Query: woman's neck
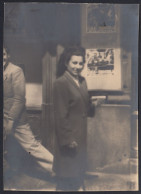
{"x": 75, "y": 77}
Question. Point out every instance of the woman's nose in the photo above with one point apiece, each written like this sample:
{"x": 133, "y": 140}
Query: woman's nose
{"x": 78, "y": 66}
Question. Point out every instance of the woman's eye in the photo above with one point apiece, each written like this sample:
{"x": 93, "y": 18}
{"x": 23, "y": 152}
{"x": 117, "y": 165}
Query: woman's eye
{"x": 75, "y": 63}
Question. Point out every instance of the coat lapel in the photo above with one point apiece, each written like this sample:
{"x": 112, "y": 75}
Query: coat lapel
{"x": 4, "y": 71}
{"x": 80, "y": 89}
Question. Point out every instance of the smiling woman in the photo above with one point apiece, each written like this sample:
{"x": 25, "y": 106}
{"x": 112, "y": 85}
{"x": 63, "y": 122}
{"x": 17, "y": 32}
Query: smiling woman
{"x": 69, "y": 56}
{"x": 71, "y": 108}
{"x": 75, "y": 65}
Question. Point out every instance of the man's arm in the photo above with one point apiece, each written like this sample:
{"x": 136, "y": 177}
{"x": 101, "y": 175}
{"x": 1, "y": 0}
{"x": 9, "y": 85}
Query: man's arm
{"x": 18, "y": 84}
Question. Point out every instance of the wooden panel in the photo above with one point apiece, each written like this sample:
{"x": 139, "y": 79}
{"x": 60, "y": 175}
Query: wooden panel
{"x": 49, "y": 76}
{"x": 49, "y": 69}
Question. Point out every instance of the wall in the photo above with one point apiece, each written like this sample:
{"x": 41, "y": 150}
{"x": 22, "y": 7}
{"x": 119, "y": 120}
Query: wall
{"x": 33, "y": 29}
{"x": 110, "y": 133}
{"x": 109, "y": 139}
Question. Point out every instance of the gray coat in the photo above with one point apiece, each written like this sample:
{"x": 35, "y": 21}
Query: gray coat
{"x": 71, "y": 106}
{"x": 14, "y": 94}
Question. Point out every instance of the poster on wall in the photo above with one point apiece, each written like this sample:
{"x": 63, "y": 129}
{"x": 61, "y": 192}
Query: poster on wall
{"x": 101, "y": 18}
{"x": 102, "y": 69}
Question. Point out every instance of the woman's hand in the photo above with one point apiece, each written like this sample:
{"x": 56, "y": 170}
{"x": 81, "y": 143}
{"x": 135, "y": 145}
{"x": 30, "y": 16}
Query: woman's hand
{"x": 69, "y": 150}
{"x": 97, "y": 101}
{"x": 73, "y": 144}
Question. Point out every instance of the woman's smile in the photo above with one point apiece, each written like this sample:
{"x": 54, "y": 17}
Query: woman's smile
{"x": 75, "y": 65}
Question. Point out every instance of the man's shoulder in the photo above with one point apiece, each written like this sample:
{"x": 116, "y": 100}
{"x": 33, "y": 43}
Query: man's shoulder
{"x": 13, "y": 68}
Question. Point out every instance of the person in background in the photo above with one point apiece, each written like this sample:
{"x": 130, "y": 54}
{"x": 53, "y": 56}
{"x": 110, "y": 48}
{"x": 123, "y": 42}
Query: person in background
{"x": 72, "y": 106}
{"x": 15, "y": 119}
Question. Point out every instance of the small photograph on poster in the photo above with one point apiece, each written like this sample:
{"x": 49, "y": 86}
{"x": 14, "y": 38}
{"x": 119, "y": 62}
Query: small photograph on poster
{"x": 103, "y": 69}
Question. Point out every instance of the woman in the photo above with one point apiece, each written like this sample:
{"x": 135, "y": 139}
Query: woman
{"x": 71, "y": 107}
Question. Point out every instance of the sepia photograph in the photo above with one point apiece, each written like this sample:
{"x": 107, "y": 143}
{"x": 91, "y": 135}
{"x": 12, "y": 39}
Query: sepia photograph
{"x": 70, "y": 96}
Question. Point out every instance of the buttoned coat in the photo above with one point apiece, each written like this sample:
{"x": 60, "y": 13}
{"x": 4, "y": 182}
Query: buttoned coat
{"x": 71, "y": 107}
{"x": 14, "y": 94}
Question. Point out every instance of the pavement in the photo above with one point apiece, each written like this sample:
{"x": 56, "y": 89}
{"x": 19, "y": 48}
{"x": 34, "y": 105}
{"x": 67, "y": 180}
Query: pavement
{"x": 30, "y": 177}
{"x": 22, "y": 173}
{"x": 34, "y": 181}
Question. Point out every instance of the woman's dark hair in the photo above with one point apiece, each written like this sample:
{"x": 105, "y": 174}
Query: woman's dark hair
{"x": 66, "y": 56}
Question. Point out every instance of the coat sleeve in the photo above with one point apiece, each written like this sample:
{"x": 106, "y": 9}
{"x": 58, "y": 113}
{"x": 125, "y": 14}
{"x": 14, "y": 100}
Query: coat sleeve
{"x": 91, "y": 109}
{"x": 61, "y": 109}
{"x": 18, "y": 85}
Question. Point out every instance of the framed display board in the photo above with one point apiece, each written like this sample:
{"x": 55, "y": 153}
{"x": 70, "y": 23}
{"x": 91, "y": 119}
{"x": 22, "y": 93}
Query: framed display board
{"x": 102, "y": 69}
{"x": 101, "y": 18}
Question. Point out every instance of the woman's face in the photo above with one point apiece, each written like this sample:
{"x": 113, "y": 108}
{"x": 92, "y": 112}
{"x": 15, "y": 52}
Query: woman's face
{"x": 5, "y": 57}
{"x": 75, "y": 65}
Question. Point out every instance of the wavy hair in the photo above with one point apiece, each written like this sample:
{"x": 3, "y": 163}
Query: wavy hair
{"x": 66, "y": 56}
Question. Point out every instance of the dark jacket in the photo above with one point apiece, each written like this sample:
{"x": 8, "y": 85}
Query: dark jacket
{"x": 71, "y": 106}
{"x": 14, "y": 94}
